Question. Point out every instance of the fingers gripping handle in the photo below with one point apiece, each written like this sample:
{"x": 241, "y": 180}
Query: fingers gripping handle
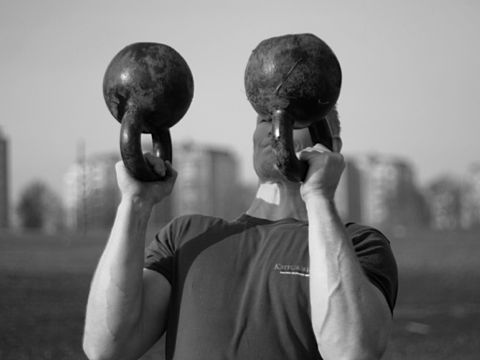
{"x": 282, "y": 143}
{"x": 131, "y": 147}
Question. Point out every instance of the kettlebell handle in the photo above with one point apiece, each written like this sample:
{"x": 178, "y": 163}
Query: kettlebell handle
{"x": 282, "y": 143}
{"x": 131, "y": 147}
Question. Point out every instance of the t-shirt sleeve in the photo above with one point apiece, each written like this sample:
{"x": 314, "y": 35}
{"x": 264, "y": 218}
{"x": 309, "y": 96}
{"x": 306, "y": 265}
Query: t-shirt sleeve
{"x": 160, "y": 253}
{"x": 377, "y": 260}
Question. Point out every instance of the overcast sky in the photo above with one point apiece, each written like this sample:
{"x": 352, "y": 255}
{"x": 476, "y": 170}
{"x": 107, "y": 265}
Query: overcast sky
{"x": 411, "y": 78}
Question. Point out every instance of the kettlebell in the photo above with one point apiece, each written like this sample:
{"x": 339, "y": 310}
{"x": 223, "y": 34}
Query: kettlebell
{"x": 295, "y": 81}
{"x": 148, "y": 88}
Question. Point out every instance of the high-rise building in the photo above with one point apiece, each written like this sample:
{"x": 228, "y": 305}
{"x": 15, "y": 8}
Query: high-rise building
{"x": 444, "y": 197}
{"x": 4, "y": 177}
{"x": 388, "y": 194}
{"x": 348, "y": 197}
{"x": 207, "y": 182}
{"x": 470, "y": 201}
{"x": 91, "y": 193}
{"x": 161, "y": 214}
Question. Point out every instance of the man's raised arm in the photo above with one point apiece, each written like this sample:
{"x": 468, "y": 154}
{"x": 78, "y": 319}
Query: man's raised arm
{"x": 127, "y": 305}
{"x": 350, "y": 316}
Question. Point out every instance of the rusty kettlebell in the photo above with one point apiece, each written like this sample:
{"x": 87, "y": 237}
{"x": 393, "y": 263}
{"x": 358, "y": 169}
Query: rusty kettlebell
{"x": 295, "y": 80}
{"x": 148, "y": 87}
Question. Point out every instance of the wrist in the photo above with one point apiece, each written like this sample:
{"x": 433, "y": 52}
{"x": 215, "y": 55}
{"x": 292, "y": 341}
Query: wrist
{"x": 320, "y": 205}
{"x": 137, "y": 203}
{"x": 317, "y": 197}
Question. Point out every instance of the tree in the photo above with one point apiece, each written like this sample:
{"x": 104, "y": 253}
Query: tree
{"x": 39, "y": 208}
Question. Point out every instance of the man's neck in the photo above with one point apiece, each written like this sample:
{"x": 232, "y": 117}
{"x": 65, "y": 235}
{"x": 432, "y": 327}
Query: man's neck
{"x": 275, "y": 201}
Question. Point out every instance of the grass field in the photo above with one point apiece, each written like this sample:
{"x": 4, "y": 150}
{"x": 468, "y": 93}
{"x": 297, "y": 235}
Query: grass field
{"x": 44, "y": 282}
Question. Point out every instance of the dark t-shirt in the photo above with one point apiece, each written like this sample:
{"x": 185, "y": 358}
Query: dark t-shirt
{"x": 240, "y": 289}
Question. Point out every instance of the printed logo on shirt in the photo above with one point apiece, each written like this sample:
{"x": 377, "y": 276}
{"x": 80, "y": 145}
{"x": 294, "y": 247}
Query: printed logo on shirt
{"x": 297, "y": 270}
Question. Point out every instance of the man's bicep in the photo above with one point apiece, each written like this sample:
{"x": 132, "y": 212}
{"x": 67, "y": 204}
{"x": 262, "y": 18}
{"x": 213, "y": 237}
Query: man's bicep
{"x": 151, "y": 325}
{"x": 156, "y": 298}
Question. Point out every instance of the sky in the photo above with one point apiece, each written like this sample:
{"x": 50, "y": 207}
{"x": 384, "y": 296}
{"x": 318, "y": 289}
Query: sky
{"x": 411, "y": 77}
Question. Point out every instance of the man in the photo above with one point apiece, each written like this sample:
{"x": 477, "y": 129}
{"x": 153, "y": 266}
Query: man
{"x": 286, "y": 280}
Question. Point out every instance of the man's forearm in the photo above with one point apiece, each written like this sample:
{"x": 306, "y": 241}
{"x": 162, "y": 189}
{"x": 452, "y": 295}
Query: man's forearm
{"x": 349, "y": 317}
{"x": 115, "y": 300}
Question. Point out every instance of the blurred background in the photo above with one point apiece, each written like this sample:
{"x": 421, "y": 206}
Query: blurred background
{"x": 409, "y": 107}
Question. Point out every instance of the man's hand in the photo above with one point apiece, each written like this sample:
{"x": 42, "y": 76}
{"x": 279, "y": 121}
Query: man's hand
{"x": 324, "y": 171}
{"x": 149, "y": 193}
